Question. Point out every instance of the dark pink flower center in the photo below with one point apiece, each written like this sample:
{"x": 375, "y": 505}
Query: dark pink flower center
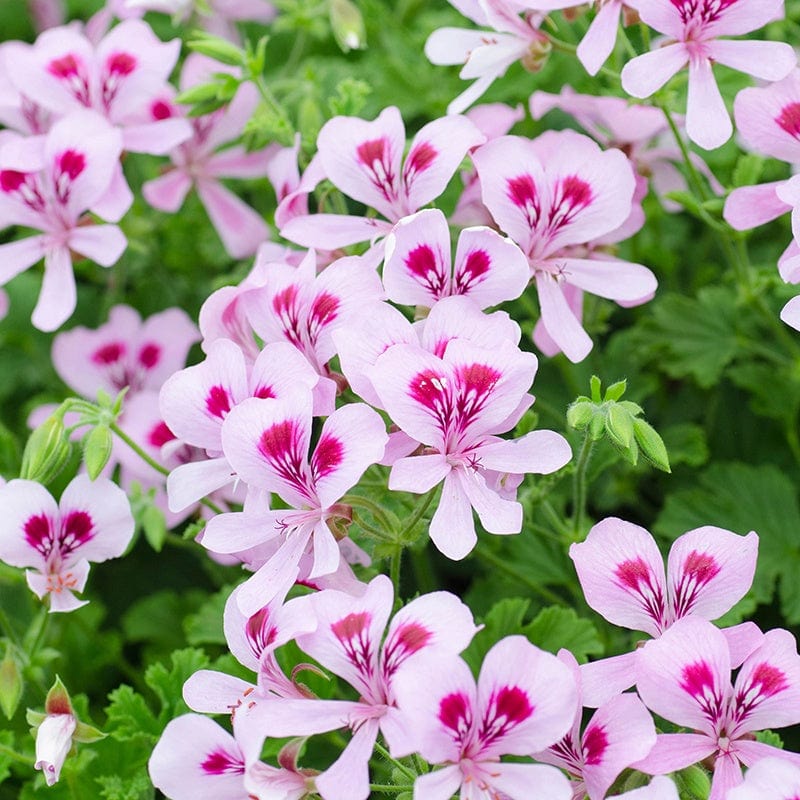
{"x": 109, "y": 353}
{"x": 701, "y": 11}
{"x": 260, "y": 632}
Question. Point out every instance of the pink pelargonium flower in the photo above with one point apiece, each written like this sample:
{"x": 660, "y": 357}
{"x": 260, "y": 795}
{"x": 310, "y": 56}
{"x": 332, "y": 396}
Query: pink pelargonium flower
{"x": 769, "y": 779}
{"x": 365, "y": 161}
{"x": 195, "y": 401}
{"x": 621, "y": 572}
{"x": 200, "y": 163}
{"x": 694, "y": 26}
{"x": 685, "y": 677}
{"x": 523, "y": 702}
{"x": 63, "y": 72}
{"x": 486, "y": 55}
{"x": 92, "y": 522}
{"x": 125, "y": 352}
{"x": 49, "y": 186}
{"x": 196, "y": 759}
{"x": 768, "y": 119}
{"x": 347, "y": 641}
{"x": 488, "y": 268}
{"x": 553, "y": 195}
{"x": 296, "y": 305}
{"x": 18, "y": 112}
{"x": 456, "y": 405}
{"x": 267, "y": 442}
{"x": 637, "y": 130}
{"x": 619, "y": 733}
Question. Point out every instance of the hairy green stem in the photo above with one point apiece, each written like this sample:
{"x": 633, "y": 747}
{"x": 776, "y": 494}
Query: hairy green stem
{"x": 579, "y": 486}
{"x": 382, "y": 751}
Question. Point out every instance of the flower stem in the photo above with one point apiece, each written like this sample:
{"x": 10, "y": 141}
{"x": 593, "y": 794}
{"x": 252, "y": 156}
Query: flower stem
{"x": 14, "y": 755}
{"x": 419, "y": 512}
{"x": 490, "y": 558}
{"x": 382, "y": 751}
{"x": 579, "y": 486}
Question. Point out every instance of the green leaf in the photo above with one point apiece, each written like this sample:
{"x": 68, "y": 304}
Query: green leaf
{"x": 748, "y": 169}
{"x": 504, "y": 619}
{"x": 129, "y": 716}
{"x": 555, "y": 627}
{"x": 205, "y": 627}
{"x": 686, "y": 444}
{"x": 155, "y": 618}
{"x": 168, "y": 683}
{"x": 135, "y": 787}
{"x": 698, "y": 336}
{"x": 743, "y": 498}
{"x": 6, "y": 740}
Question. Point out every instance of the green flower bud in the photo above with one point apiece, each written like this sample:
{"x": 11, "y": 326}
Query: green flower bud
{"x": 597, "y": 426}
{"x": 619, "y": 425}
{"x": 97, "y": 446}
{"x": 696, "y": 782}
{"x": 10, "y": 684}
{"x": 579, "y": 415}
{"x": 218, "y": 49}
{"x": 651, "y": 444}
{"x": 154, "y": 526}
{"x": 46, "y": 451}
{"x": 347, "y": 25}
{"x": 616, "y": 390}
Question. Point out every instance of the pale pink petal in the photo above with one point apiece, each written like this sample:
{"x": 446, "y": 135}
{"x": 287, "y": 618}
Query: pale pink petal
{"x": 348, "y": 777}
{"x": 417, "y": 266}
{"x": 236, "y": 162}
{"x": 790, "y": 313}
{"x": 116, "y": 201}
{"x": 751, "y": 752}
{"x": 53, "y": 743}
{"x": 662, "y": 15}
{"x": 418, "y": 474}
{"x": 495, "y": 119}
{"x": 621, "y": 572}
{"x": 103, "y": 244}
{"x": 189, "y": 483}
{"x": 745, "y": 16}
{"x": 771, "y": 778}
{"x": 770, "y": 61}
{"x": 435, "y": 154}
{"x": 196, "y": 759}
{"x": 560, "y": 321}
{"x": 684, "y": 676}
{"x": 530, "y": 782}
{"x": 164, "y": 342}
{"x": 727, "y": 774}
{"x": 210, "y": 692}
{"x": 363, "y": 159}
{"x": 620, "y": 732}
{"x": 616, "y": 280}
{"x": 598, "y": 43}
{"x": 156, "y": 138}
{"x": 675, "y": 751}
{"x": 16, "y": 257}
{"x": 241, "y": 228}
{"x": 742, "y": 640}
{"x": 707, "y": 121}
{"x": 291, "y": 717}
{"x": 447, "y": 46}
{"x": 279, "y": 370}
{"x": 168, "y": 192}
{"x": 767, "y": 688}
{"x": 601, "y": 680}
{"x": 709, "y": 570}
{"x": 452, "y": 528}
{"x": 58, "y": 296}
{"x": 497, "y": 514}
{"x": 489, "y": 268}
{"x": 647, "y": 73}
{"x": 541, "y": 688}
{"x": 332, "y": 231}
{"x": 441, "y": 784}
{"x": 236, "y": 531}
{"x": 540, "y": 452}
{"x": 750, "y": 206}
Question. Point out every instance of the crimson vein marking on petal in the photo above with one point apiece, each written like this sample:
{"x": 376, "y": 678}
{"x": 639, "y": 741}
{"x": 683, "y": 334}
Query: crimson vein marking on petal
{"x": 280, "y": 445}
{"x": 523, "y": 192}
{"x": 220, "y": 762}
{"x": 455, "y": 713}
{"x": 423, "y": 265}
{"x": 472, "y": 271}
{"x": 570, "y": 753}
{"x": 419, "y": 159}
{"x": 573, "y": 194}
{"x": 375, "y": 155}
{"x": 698, "y": 570}
{"x": 595, "y": 744}
{"x": 765, "y": 681}
{"x": 77, "y": 528}
{"x": 508, "y": 707}
{"x": 109, "y": 353}
{"x": 697, "y": 679}
{"x": 475, "y": 382}
{"x": 701, "y": 12}
{"x": 264, "y": 392}
{"x": 353, "y": 634}
{"x": 149, "y": 355}
{"x": 25, "y": 186}
{"x": 408, "y": 639}
{"x": 789, "y": 119}
{"x": 328, "y": 455}
{"x": 324, "y": 310}
{"x": 635, "y": 575}
{"x": 160, "y": 434}
{"x": 218, "y": 402}
{"x": 38, "y": 533}
{"x": 260, "y": 632}
{"x": 118, "y": 67}
{"x": 70, "y": 70}
{"x": 160, "y": 109}
{"x": 67, "y": 168}
{"x": 286, "y": 304}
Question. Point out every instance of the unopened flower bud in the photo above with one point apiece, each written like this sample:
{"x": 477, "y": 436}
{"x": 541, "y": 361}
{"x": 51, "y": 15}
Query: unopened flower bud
{"x": 10, "y": 684}
{"x": 696, "y": 782}
{"x": 619, "y": 425}
{"x": 97, "y": 446}
{"x": 651, "y": 444}
{"x": 579, "y": 415}
{"x": 46, "y": 451}
{"x": 347, "y": 25}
